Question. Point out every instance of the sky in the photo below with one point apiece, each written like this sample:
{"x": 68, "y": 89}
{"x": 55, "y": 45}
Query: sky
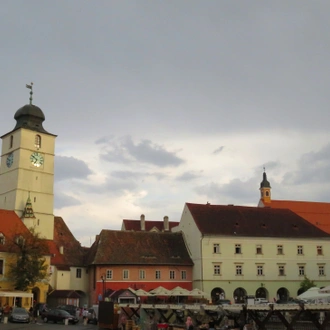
{"x": 159, "y": 103}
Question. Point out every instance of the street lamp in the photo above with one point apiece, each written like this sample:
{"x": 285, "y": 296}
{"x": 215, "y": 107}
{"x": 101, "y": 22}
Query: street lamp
{"x": 103, "y": 287}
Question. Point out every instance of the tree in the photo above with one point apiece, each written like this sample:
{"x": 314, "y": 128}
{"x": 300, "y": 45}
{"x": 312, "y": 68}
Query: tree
{"x": 306, "y": 284}
{"x": 30, "y": 266}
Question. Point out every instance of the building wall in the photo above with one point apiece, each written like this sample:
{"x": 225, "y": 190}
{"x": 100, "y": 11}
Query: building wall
{"x": 193, "y": 240}
{"x": 23, "y": 178}
{"x": 268, "y": 259}
{"x": 150, "y": 282}
{"x": 63, "y": 280}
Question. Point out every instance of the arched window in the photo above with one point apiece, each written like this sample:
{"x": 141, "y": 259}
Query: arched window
{"x": 11, "y": 142}
{"x": 267, "y": 193}
{"x": 37, "y": 141}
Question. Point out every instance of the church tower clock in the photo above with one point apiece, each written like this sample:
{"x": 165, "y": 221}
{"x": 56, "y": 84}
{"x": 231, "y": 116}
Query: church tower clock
{"x": 27, "y": 169}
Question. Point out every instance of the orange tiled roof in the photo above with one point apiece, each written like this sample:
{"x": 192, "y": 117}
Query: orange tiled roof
{"x": 73, "y": 252}
{"x": 316, "y": 213}
{"x": 11, "y": 225}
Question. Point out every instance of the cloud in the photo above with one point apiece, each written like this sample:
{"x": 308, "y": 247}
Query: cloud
{"x": 218, "y": 150}
{"x": 67, "y": 168}
{"x": 62, "y": 200}
{"x": 313, "y": 168}
{"x": 126, "y": 151}
{"x": 188, "y": 176}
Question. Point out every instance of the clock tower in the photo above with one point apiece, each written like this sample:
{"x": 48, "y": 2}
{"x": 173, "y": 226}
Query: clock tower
{"x": 27, "y": 169}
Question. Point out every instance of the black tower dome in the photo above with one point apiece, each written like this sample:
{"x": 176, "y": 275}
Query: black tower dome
{"x": 264, "y": 183}
{"x": 30, "y": 117}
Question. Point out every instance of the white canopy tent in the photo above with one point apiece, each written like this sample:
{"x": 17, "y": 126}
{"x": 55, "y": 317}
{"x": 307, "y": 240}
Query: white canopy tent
{"x": 314, "y": 294}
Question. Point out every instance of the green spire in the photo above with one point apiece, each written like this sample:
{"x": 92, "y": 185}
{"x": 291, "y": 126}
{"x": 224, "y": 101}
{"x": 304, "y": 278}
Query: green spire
{"x": 28, "y": 210}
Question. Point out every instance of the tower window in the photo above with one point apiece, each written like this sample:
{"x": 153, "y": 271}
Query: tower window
{"x": 267, "y": 193}
{"x": 11, "y": 141}
{"x": 37, "y": 141}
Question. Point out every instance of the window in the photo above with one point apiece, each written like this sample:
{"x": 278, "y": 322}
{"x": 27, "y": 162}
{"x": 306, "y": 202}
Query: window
{"x": 238, "y": 249}
{"x": 216, "y": 248}
{"x": 157, "y": 274}
{"x": 2, "y": 239}
{"x": 239, "y": 270}
{"x": 216, "y": 270}
{"x": 125, "y": 274}
{"x": 301, "y": 270}
{"x": 78, "y": 273}
{"x": 109, "y": 274}
{"x": 319, "y": 250}
{"x": 37, "y": 141}
{"x": 1, "y": 267}
{"x": 172, "y": 274}
{"x": 321, "y": 271}
{"x": 142, "y": 274}
{"x": 183, "y": 275}
{"x": 281, "y": 270}
{"x": 300, "y": 249}
{"x": 11, "y": 141}
{"x": 260, "y": 270}
{"x": 280, "y": 249}
{"x": 259, "y": 249}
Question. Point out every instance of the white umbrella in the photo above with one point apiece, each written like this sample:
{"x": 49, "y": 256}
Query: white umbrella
{"x": 178, "y": 291}
{"x": 197, "y": 293}
{"x": 160, "y": 291}
{"x": 142, "y": 293}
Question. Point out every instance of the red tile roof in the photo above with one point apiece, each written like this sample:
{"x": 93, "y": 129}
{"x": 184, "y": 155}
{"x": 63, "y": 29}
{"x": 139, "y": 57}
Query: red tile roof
{"x": 315, "y": 212}
{"x": 139, "y": 248}
{"x": 73, "y": 252}
{"x": 10, "y": 226}
{"x": 149, "y": 224}
{"x": 252, "y": 222}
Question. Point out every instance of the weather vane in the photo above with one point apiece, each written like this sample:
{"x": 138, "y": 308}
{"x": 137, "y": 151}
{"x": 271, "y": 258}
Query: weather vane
{"x": 31, "y": 92}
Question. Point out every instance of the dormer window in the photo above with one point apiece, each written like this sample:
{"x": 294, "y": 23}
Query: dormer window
{"x": 2, "y": 239}
{"x": 20, "y": 240}
{"x": 37, "y": 141}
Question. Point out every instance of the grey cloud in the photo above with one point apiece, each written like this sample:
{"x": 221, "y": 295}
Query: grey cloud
{"x": 234, "y": 192}
{"x": 313, "y": 167}
{"x": 218, "y": 150}
{"x": 62, "y": 200}
{"x": 188, "y": 176}
{"x": 70, "y": 168}
{"x": 126, "y": 151}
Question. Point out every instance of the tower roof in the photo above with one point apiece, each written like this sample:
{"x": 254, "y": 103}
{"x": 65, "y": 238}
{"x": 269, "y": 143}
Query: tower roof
{"x": 264, "y": 183}
{"x": 31, "y": 117}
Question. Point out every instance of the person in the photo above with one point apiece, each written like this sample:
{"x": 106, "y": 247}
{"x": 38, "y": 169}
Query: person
{"x": 123, "y": 320}
{"x": 35, "y": 314}
{"x": 85, "y": 314}
{"x": 31, "y": 313}
{"x": 189, "y": 323}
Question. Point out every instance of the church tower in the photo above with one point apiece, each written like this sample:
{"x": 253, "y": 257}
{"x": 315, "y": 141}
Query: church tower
{"x": 265, "y": 188}
{"x": 27, "y": 170}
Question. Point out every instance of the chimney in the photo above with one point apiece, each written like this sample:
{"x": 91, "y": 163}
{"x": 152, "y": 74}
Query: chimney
{"x": 143, "y": 222}
{"x": 61, "y": 249}
{"x": 166, "y": 224}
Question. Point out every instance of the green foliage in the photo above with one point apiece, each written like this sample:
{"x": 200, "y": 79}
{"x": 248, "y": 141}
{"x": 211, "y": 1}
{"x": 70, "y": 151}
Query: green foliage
{"x": 306, "y": 284}
{"x": 31, "y": 266}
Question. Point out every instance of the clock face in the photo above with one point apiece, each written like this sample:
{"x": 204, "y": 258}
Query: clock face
{"x": 37, "y": 159}
{"x": 10, "y": 160}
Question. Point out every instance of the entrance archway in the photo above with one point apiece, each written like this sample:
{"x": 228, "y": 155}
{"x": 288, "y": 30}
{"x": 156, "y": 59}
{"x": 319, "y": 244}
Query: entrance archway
{"x": 262, "y": 293}
{"x": 217, "y": 293}
{"x": 239, "y": 296}
{"x": 283, "y": 294}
